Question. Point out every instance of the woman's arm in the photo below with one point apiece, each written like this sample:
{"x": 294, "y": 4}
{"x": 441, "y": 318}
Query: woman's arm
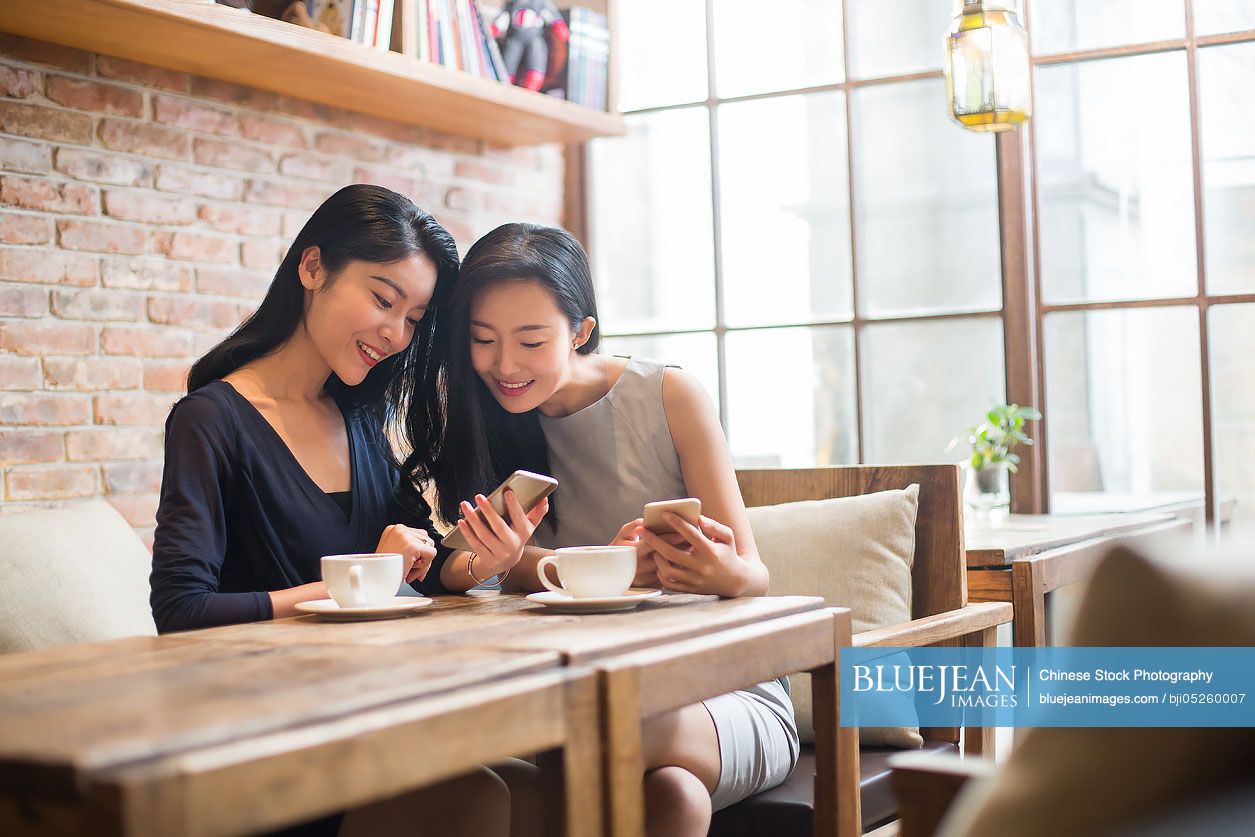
{"x": 723, "y": 558}
{"x": 499, "y": 546}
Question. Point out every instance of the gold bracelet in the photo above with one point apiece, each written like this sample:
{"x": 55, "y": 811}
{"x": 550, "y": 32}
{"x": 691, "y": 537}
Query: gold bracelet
{"x": 470, "y": 570}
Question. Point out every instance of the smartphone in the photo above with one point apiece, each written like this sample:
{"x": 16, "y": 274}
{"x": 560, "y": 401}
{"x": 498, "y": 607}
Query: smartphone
{"x": 690, "y": 509}
{"x": 529, "y": 487}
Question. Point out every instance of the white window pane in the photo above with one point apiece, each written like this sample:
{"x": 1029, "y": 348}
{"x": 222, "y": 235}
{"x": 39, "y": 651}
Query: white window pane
{"x": 1066, "y": 25}
{"x": 652, "y": 240}
{"x": 1227, "y": 136}
{"x": 783, "y": 45}
{"x": 785, "y": 210}
{"x": 926, "y": 204}
{"x": 924, "y": 383}
{"x": 892, "y": 37}
{"x": 1231, "y": 329}
{"x": 1115, "y": 179}
{"x": 1214, "y": 17}
{"x": 695, "y": 353}
{"x": 662, "y": 53}
{"x": 1123, "y": 403}
{"x": 791, "y": 396}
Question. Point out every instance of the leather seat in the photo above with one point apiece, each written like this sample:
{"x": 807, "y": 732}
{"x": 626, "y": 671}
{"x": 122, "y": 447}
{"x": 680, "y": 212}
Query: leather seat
{"x": 789, "y": 808}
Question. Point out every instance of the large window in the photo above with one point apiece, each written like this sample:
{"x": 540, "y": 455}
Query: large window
{"x": 794, "y": 218}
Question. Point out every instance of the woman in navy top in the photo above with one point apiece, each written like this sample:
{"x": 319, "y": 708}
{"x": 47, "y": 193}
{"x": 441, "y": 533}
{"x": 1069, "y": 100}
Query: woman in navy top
{"x": 280, "y": 453}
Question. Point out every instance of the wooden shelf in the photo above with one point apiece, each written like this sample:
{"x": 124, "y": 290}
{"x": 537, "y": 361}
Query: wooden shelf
{"x": 198, "y": 36}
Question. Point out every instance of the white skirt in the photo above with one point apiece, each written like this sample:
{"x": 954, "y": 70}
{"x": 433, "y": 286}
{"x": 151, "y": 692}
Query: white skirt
{"x": 758, "y": 742}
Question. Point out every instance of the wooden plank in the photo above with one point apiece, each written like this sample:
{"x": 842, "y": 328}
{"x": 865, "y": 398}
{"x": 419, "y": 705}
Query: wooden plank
{"x": 269, "y": 781}
{"x": 838, "y": 805}
{"x": 989, "y": 585}
{"x": 58, "y": 726}
{"x": 931, "y": 630}
{"x": 979, "y": 741}
{"x": 1076, "y": 563}
{"x": 1021, "y": 535}
{"x": 624, "y": 752}
{"x": 1029, "y": 598}
{"x": 939, "y": 583}
{"x": 223, "y": 43}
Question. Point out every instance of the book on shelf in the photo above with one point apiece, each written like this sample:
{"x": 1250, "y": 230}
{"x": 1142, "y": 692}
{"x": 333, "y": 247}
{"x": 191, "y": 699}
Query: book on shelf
{"x": 367, "y": 22}
{"x": 583, "y": 81}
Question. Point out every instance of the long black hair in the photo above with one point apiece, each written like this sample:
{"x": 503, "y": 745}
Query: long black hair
{"x": 484, "y": 442}
{"x": 371, "y": 224}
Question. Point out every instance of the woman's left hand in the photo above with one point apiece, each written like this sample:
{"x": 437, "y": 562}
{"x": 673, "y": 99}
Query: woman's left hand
{"x": 706, "y": 563}
{"x": 415, "y": 546}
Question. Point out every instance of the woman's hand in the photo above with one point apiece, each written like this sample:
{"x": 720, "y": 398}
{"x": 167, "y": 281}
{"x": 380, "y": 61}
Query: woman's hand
{"x": 704, "y": 560}
{"x": 646, "y": 562}
{"x": 498, "y": 545}
{"x": 415, "y": 546}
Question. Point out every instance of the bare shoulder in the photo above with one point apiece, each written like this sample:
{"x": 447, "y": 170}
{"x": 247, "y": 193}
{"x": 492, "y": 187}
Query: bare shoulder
{"x": 687, "y": 404}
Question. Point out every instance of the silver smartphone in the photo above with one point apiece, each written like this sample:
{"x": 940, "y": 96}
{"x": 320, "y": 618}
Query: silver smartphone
{"x": 530, "y": 488}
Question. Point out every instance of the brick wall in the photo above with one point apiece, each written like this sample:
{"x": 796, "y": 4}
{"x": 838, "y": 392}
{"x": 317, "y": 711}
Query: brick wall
{"x": 142, "y": 215}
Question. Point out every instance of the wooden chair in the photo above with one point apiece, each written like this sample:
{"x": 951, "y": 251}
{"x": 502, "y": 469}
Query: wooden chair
{"x": 941, "y": 616}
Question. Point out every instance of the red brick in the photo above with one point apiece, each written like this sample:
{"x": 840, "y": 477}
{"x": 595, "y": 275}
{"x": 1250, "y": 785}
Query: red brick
{"x": 420, "y": 161}
{"x": 272, "y": 131}
{"x": 195, "y": 117}
{"x": 204, "y": 184}
{"x": 60, "y": 482}
{"x": 304, "y": 109}
{"x": 147, "y": 208}
{"x": 98, "y": 305}
{"x": 101, "y": 238}
{"x": 365, "y": 123}
{"x": 42, "y": 52}
{"x": 145, "y": 273}
{"x": 293, "y": 223}
{"x": 141, "y": 408}
{"x": 349, "y": 146}
{"x": 112, "y": 443}
{"x": 232, "y": 155}
{"x": 290, "y": 195}
{"x": 233, "y": 282}
{"x": 407, "y": 186}
{"x": 45, "y": 409}
{"x": 92, "y": 373}
{"x": 314, "y": 167}
{"x": 45, "y": 123}
{"x": 46, "y": 337}
{"x": 207, "y": 340}
{"x": 139, "y": 510}
{"x": 17, "y": 83}
{"x": 47, "y": 267}
{"x": 90, "y": 95}
{"x": 48, "y": 195}
{"x": 192, "y": 312}
{"x": 141, "y": 138}
{"x": 103, "y": 168}
{"x": 233, "y": 94}
{"x": 19, "y": 301}
{"x": 145, "y": 74}
{"x": 464, "y": 200}
{"x": 165, "y": 375}
{"x": 473, "y": 170}
{"x": 263, "y": 255}
{"x": 523, "y": 156}
{"x": 133, "y": 477}
{"x": 448, "y": 142}
{"x": 23, "y": 446}
{"x": 242, "y": 220}
{"x": 145, "y": 342}
{"x": 20, "y": 373}
{"x": 24, "y": 155}
{"x": 189, "y": 246}
{"x": 25, "y": 229}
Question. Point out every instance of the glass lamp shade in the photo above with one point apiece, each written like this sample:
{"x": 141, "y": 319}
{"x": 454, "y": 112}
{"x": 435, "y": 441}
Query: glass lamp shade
{"x": 987, "y": 66}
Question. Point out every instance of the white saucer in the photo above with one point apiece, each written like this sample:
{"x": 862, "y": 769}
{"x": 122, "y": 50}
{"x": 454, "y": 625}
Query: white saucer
{"x": 328, "y": 609}
{"x": 562, "y": 603}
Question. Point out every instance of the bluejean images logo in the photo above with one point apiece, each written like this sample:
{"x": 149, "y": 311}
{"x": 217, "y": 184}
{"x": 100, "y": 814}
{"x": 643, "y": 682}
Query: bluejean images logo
{"x": 1109, "y": 687}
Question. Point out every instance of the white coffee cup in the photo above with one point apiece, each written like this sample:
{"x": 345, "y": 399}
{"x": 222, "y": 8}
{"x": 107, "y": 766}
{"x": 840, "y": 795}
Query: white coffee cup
{"x": 590, "y": 571}
{"x": 363, "y": 580}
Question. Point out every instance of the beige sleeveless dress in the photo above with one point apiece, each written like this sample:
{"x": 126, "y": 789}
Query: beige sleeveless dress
{"x": 610, "y": 459}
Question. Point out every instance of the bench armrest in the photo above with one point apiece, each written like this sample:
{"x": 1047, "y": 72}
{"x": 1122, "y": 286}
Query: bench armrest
{"x": 952, "y": 624}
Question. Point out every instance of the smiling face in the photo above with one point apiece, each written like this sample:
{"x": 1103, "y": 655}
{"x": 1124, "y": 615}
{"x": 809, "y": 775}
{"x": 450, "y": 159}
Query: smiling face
{"x": 367, "y": 313}
{"x": 521, "y": 343}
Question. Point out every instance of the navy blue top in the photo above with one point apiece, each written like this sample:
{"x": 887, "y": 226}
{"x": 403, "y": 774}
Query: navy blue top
{"x": 239, "y": 516}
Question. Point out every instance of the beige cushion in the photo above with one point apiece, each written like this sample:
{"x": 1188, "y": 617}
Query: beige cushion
{"x": 1062, "y": 780}
{"x": 856, "y": 552}
{"x": 73, "y": 574}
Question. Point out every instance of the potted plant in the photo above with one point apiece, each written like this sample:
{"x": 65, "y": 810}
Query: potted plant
{"x": 991, "y": 459}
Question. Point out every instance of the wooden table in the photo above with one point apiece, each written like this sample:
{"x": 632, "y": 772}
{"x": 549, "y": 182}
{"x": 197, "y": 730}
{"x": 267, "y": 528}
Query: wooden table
{"x": 196, "y": 734}
{"x": 1023, "y": 558}
{"x": 668, "y": 653}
